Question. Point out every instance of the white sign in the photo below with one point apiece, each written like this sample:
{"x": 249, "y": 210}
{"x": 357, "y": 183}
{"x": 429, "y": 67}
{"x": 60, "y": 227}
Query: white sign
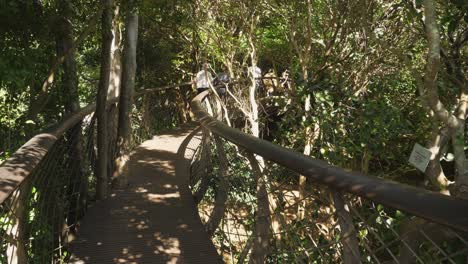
{"x": 420, "y": 157}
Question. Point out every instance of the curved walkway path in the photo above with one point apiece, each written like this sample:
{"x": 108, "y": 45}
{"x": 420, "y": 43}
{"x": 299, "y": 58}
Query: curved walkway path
{"x": 154, "y": 220}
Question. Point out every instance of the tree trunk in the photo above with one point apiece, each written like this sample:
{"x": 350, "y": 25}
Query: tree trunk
{"x": 311, "y": 133}
{"x": 113, "y": 92}
{"x": 458, "y": 144}
{"x": 181, "y": 105}
{"x": 223, "y": 191}
{"x": 116, "y": 64}
{"x": 205, "y": 166}
{"x": 262, "y": 218}
{"x": 246, "y": 249}
{"x": 101, "y": 113}
{"x": 351, "y": 254}
{"x": 307, "y": 150}
{"x": 65, "y": 49}
{"x": 267, "y": 202}
{"x": 434, "y": 172}
{"x": 146, "y": 117}
{"x": 454, "y": 123}
{"x": 126, "y": 94}
{"x": 458, "y": 141}
{"x": 78, "y": 183}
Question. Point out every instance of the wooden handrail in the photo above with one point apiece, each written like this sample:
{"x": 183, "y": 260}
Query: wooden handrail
{"x": 446, "y": 210}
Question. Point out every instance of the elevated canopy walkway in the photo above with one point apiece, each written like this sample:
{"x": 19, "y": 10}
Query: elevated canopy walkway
{"x": 198, "y": 195}
{"x": 124, "y": 229}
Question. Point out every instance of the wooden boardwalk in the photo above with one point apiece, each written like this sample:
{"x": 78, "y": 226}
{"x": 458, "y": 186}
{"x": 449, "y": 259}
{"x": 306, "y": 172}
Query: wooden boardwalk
{"x": 154, "y": 220}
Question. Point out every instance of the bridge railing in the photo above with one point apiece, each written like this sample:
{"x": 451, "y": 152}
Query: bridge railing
{"x": 252, "y": 211}
{"x": 47, "y": 184}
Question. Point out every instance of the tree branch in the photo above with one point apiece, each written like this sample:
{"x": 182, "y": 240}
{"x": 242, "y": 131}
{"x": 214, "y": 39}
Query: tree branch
{"x": 432, "y": 67}
{"x": 43, "y": 97}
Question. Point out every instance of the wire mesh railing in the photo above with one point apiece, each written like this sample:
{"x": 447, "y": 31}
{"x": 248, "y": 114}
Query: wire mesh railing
{"x": 255, "y": 213}
{"x": 47, "y": 185}
{"x": 39, "y": 218}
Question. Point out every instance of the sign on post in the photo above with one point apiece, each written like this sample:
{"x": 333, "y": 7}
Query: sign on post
{"x": 420, "y": 157}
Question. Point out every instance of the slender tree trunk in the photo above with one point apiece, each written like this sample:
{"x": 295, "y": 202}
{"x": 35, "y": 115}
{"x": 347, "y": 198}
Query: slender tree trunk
{"x": 222, "y": 193}
{"x": 351, "y": 254}
{"x": 70, "y": 94}
{"x": 65, "y": 50}
{"x": 223, "y": 190}
{"x": 146, "y": 118}
{"x": 113, "y": 92}
{"x": 458, "y": 143}
{"x": 254, "y": 122}
{"x": 266, "y": 203}
{"x": 429, "y": 93}
{"x": 180, "y": 101}
{"x": 245, "y": 251}
{"x": 205, "y": 166}
{"x": 310, "y": 131}
{"x": 262, "y": 219}
{"x": 428, "y": 89}
{"x": 102, "y": 128}
{"x": 459, "y": 140}
{"x": 116, "y": 63}
{"x": 434, "y": 172}
{"x": 126, "y": 94}
{"x": 307, "y": 150}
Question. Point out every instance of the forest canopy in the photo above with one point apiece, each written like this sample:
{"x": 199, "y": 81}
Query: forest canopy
{"x": 365, "y": 84}
{"x": 354, "y": 83}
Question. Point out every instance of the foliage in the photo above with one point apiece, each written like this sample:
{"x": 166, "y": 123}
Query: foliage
{"x": 352, "y": 92}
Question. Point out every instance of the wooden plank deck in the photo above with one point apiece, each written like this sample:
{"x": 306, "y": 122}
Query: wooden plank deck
{"x": 154, "y": 220}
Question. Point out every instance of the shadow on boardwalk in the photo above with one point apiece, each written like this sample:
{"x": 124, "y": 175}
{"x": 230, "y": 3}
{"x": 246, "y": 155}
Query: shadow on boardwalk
{"x": 154, "y": 220}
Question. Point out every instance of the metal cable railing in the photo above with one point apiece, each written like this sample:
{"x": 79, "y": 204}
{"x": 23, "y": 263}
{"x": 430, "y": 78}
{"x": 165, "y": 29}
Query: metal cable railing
{"x": 46, "y": 186}
{"x": 347, "y": 217}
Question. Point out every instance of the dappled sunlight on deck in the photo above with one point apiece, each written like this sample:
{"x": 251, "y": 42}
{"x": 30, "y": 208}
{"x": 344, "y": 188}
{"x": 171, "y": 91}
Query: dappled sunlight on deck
{"x": 151, "y": 221}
